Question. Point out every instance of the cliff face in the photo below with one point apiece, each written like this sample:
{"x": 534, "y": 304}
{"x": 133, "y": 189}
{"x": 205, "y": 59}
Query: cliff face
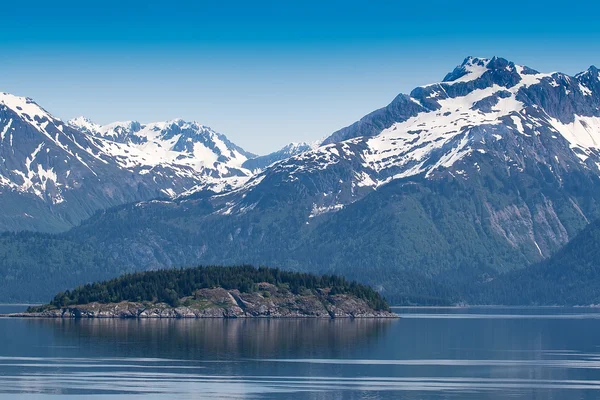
{"x": 270, "y": 301}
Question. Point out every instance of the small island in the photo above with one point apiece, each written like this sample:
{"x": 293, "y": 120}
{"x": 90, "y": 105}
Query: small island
{"x": 217, "y": 292}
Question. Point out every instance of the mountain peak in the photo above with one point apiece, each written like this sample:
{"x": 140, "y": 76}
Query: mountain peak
{"x": 491, "y": 63}
{"x": 471, "y": 67}
{"x": 593, "y": 71}
{"x": 25, "y": 107}
{"x": 84, "y": 124}
{"x": 297, "y": 145}
{"x": 123, "y": 124}
{"x": 474, "y": 67}
{"x": 472, "y": 61}
{"x": 183, "y": 124}
{"x": 589, "y": 77}
{"x": 81, "y": 119}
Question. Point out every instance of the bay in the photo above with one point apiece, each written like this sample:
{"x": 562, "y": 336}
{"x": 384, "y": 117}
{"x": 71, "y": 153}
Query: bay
{"x": 429, "y": 353}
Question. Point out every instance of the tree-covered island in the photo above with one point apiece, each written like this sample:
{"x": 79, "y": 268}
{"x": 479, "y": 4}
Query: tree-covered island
{"x": 218, "y": 292}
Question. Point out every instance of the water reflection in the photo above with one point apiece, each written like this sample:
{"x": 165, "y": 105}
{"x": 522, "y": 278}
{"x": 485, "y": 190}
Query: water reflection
{"x": 219, "y": 338}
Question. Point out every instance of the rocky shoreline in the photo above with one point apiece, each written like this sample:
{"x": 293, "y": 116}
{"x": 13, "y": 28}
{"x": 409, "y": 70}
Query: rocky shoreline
{"x": 220, "y": 303}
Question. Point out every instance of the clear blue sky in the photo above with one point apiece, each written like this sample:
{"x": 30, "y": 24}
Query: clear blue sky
{"x": 269, "y": 72}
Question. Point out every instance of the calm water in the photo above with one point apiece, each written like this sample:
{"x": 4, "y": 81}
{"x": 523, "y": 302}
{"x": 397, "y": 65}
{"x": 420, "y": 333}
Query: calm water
{"x": 429, "y": 354}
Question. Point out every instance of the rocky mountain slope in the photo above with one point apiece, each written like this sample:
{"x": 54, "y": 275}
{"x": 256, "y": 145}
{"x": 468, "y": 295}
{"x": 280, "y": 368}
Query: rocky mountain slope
{"x": 570, "y": 277}
{"x": 490, "y": 170}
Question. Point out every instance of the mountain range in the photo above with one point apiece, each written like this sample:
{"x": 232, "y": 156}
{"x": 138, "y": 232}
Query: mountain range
{"x": 55, "y": 174}
{"x": 442, "y": 194}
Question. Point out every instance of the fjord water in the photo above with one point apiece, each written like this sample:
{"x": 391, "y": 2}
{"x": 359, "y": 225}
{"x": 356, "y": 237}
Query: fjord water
{"x": 465, "y": 353}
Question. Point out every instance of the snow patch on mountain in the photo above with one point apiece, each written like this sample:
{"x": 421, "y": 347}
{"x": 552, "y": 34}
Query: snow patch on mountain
{"x": 583, "y": 133}
{"x": 411, "y": 143}
{"x": 320, "y": 210}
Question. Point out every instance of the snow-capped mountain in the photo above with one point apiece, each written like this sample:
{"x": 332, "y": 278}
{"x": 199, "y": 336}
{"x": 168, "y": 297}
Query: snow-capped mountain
{"x": 489, "y": 122}
{"x": 259, "y": 163}
{"x": 484, "y": 105}
{"x": 54, "y": 174}
{"x": 188, "y": 147}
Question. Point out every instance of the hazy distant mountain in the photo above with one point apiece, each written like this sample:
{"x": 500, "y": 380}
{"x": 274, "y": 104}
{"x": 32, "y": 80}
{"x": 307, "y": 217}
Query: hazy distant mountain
{"x": 490, "y": 170}
{"x": 259, "y": 163}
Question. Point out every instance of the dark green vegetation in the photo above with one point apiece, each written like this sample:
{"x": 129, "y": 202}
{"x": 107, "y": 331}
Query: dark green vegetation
{"x": 34, "y": 266}
{"x": 170, "y": 285}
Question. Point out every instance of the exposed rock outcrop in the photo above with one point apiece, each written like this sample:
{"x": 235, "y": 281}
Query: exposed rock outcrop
{"x": 269, "y": 301}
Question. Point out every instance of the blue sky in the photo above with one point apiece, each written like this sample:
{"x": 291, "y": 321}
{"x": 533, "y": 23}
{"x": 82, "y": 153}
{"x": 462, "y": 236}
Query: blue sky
{"x": 269, "y": 72}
